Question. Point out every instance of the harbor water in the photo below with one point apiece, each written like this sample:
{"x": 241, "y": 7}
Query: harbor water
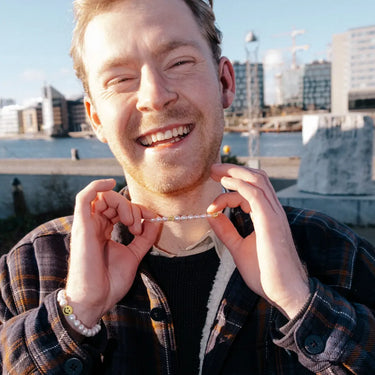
{"x": 271, "y": 144}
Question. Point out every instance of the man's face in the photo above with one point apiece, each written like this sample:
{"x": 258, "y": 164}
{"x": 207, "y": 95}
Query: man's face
{"x": 157, "y": 94}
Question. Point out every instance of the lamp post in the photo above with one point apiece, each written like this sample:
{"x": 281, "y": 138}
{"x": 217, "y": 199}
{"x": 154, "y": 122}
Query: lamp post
{"x": 19, "y": 203}
{"x": 252, "y": 88}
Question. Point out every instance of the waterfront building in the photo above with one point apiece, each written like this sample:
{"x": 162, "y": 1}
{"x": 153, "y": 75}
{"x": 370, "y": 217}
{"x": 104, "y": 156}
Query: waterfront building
{"x": 32, "y": 118}
{"x": 353, "y": 70}
{"x": 78, "y": 119}
{"x": 55, "y": 112}
{"x": 11, "y": 120}
{"x": 5, "y": 102}
{"x": 241, "y": 102}
{"x": 317, "y": 86}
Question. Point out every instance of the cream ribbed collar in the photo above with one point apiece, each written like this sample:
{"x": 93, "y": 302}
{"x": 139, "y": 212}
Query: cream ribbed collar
{"x": 207, "y": 242}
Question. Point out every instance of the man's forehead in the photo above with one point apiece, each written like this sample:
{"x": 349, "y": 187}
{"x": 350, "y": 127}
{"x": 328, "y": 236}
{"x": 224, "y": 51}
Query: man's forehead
{"x": 131, "y": 22}
{"x": 117, "y": 37}
{"x": 146, "y": 9}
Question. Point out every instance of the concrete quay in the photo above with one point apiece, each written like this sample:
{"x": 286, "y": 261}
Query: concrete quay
{"x": 84, "y": 167}
{"x": 276, "y": 167}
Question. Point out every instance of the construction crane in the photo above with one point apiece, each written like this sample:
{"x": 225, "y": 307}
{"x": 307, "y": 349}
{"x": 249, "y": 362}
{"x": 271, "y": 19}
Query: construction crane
{"x": 295, "y": 48}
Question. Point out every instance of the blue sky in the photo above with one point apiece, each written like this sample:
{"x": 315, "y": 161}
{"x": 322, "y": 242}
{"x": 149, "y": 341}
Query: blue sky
{"x": 35, "y": 36}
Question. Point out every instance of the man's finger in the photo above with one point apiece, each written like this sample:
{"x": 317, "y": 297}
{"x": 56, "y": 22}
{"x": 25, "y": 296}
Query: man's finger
{"x": 226, "y": 232}
{"x": 89, "y": 194}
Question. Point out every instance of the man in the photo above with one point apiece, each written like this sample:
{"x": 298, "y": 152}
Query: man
{"x": 194, "y": 268}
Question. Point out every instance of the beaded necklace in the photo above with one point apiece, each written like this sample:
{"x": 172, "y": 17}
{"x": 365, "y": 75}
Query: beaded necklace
{"x": 182, "y": 217}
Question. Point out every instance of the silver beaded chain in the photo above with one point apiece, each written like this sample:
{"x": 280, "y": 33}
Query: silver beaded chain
{"x": 182, "y": 217}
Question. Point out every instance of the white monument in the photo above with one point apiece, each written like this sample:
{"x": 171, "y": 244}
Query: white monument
{"x": 335, "y": 175}
{"x": 337, "y": 156}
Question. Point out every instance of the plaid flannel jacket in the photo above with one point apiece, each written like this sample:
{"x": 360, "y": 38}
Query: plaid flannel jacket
{"x": 334, "y": 334}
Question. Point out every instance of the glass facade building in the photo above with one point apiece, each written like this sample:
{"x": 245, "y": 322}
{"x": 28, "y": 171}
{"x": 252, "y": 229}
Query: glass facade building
{"x": 317, "y": 86}
{"x": 241, "y": 102}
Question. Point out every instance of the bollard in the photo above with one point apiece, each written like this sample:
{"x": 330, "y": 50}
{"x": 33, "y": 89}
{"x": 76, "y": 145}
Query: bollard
{"x": 74, "y": 154}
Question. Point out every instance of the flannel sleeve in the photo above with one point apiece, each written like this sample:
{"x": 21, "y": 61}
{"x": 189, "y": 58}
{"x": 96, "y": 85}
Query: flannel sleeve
{"x": 335, "y": 334}
{"x": 33, "y": 338}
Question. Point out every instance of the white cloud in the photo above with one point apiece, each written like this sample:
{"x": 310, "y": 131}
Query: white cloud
{"x": 32, "y": 101}
{"x": 32, "y": 75}
{"x": 66, "y": 72}
{"x": 273, "y": 59}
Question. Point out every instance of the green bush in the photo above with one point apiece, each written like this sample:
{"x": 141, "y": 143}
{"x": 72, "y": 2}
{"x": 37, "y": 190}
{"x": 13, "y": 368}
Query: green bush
{"x": 231, "y": 159}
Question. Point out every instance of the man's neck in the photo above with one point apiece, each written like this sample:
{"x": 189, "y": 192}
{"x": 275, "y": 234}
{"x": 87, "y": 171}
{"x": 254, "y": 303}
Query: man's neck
{"x": 177, "y": 236}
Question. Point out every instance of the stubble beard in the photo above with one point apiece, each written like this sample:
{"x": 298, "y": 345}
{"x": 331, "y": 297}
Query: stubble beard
{"x": 168, "y": 177}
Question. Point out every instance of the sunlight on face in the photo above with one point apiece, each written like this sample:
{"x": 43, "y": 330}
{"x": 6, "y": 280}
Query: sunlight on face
{"x": 152, "y": 77}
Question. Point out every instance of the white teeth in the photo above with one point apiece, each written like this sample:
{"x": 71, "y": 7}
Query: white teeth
{"x": 173, "y": 135}
{"x": 154, "y": 138}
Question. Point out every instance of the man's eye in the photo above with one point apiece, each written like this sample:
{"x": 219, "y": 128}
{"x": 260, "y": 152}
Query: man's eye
{"x": 181, "y": 63}
{"x": 117, "y": 81}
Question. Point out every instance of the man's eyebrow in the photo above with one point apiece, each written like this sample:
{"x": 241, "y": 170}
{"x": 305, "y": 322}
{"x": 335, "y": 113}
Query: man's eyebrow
{"x": 175, "y": 44}
{"x": 115, "y": 62}
{"x": 162, "y": 49}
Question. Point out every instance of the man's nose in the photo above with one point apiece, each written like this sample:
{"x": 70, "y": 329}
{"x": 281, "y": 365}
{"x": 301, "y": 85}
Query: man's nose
{"x": 155, "y": 91}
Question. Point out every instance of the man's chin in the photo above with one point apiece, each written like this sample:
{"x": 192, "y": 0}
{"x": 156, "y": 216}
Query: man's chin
{"x": 177, "y": 184}
{"x": 170, "y": 188}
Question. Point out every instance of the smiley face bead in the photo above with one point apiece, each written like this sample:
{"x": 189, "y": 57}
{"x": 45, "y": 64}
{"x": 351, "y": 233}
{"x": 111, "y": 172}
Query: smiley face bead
{"x": 67, "y": 310}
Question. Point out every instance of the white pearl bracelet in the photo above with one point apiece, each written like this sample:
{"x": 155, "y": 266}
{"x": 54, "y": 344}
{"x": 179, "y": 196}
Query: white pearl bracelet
{"x": 76, "y": 324}
{"x": 182, "y": 217}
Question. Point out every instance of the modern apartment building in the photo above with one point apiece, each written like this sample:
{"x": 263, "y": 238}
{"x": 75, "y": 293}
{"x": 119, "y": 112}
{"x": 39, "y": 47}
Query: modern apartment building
{"x": 32, "y": 119}
{"x": 11, "y": 120}
{"x": 353, "y": 70}
{"x": 55, "y": 112}
{"x": 78, "y": 119}
{"x": 241, "y": 103}
{"x": 5, "y": 102}
{"x": 54, "y": 116}
{"x": 317, "y": 86}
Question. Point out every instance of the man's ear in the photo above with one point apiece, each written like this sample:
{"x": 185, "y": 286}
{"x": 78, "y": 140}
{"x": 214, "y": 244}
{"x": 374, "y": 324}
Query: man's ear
{"x": 227, "y": 81}
{"x": 94, "y": 120}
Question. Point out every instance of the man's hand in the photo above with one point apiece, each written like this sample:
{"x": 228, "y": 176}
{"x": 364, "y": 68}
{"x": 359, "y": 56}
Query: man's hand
{"x": 102, "y": 271}
{"x": 267, "y": 259}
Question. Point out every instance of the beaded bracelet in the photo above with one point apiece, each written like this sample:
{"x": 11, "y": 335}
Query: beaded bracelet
{"x": 75, "y": 323}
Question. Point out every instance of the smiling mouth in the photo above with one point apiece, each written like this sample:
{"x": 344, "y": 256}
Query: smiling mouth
{"x": 164, "y": 137}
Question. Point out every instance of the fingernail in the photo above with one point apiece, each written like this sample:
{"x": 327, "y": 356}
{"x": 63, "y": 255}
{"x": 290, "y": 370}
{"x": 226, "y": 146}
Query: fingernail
{"x": 211, "y": 208}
